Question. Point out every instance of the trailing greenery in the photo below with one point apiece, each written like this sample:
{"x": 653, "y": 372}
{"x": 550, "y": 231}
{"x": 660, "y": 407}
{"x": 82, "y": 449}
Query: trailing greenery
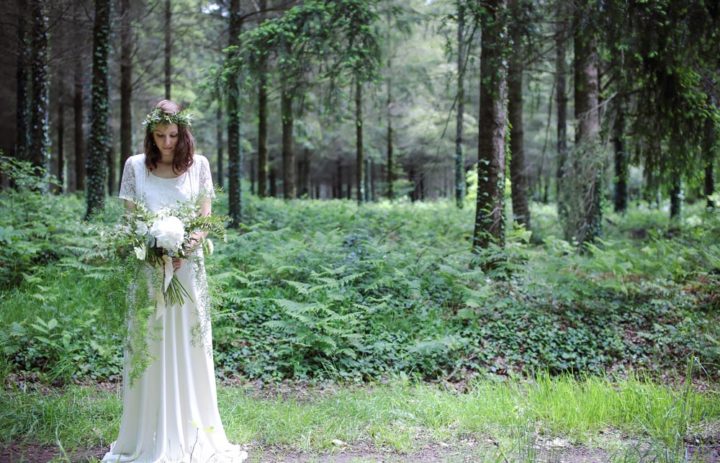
{"x": 327, "y": 290}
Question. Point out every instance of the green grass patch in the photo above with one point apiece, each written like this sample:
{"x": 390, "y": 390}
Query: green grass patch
{"x": 401, "y": 416}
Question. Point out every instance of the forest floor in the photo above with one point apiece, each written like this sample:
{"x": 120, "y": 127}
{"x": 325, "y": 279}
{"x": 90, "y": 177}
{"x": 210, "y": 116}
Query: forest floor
{"x": 417, "y": 440}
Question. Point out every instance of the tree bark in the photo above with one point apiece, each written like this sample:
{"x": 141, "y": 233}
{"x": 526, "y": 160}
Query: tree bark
{"x": 459, "y": 156}
{"x": 588, "y": 125}
{"x": 61, "y": 134}
{"x": 489, "y": 217}
{"x": 126, "y": 49}
{"x": 168, "y": 48}
{"x": 621, "y": 161}
{"x": 22, "y": 83}
{"x": 561, "y": 101}
{"x": 99, "y": 149}
{"x": 219, "y": 140}
{"x": 359, "y": 154}
{"x": 39, "y": 114}
{"x": 233, "y": 104}
{"x": 262, "y": 121}
{"x": 675, "y": 200}
{"x": 288, "y": 154}
{"x": 79, "y": 136}
{"x": 709, "y": 157}
{"x": 518, "y": 170}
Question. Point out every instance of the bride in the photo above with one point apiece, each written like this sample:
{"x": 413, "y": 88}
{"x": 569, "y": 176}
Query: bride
{"x": 170, "y": 411}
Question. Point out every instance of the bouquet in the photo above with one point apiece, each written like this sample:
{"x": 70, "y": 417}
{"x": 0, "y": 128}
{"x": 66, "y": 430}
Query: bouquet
{"x": 157, "y": 238}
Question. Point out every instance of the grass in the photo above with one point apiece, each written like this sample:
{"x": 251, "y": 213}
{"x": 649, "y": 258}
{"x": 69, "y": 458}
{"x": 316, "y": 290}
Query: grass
{"x": 401, "y": 416}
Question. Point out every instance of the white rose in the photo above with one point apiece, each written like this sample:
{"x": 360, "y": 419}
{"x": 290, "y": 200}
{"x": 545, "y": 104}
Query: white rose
{"x": 169, "y": 233}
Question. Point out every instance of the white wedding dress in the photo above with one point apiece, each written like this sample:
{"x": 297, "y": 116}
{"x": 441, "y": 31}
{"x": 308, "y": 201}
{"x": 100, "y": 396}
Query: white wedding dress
{"x": 170, "y": 411}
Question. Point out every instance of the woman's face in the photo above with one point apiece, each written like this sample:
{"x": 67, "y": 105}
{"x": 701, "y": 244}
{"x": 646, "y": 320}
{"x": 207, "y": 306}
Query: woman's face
{"x": 166, "y": 137}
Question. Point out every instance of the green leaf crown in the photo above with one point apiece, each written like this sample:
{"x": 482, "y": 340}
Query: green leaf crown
{"x": 158, "y": 116}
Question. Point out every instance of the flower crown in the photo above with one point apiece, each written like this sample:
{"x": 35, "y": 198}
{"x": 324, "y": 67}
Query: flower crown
{"x": 158, "y": 116}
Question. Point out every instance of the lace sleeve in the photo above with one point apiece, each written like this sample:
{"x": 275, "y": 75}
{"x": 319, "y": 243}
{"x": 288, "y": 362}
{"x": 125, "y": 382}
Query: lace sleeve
{"x": 127, "y": 185}
{"x": 206, "y": 184}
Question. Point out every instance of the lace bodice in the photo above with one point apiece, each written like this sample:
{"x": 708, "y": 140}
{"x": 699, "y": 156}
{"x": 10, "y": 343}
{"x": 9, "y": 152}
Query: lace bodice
{"x": 139, "y": 185}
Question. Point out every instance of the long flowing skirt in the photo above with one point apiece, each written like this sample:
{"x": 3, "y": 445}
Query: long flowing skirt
{"x": 170, "y": 411}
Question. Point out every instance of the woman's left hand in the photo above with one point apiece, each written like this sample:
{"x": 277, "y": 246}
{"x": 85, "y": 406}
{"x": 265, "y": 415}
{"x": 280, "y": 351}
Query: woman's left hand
{"x": 177, "y": 263}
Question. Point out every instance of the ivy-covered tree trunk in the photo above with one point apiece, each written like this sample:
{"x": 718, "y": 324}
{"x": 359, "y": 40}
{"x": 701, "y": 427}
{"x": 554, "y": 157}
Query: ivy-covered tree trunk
{"x": 561, "y": 102}
{"x": 621, "y": 161}
{"x": 585, "y": 221}
{"x": 22, "y": 84}
{"x": 459, "y": 155}
{"x": 98, "y": 144}
{"x": 233, "y": 107}
{"x": 262, "y": 120}
{"x": 126, "y": 48}
{"x": 359, "y": 154}
{"x": 288, "y": 154}
{"x": 39, "y": 113}
{"x": 489, "y": 217}
{"x": 518, "y": 171}
{"x": 168, "y": 48}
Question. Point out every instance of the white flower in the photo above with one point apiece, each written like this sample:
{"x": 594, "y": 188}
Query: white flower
{"x": 169, "y": 233}
{"x": 140, "y": 252}
{"x": 141, "y": 228}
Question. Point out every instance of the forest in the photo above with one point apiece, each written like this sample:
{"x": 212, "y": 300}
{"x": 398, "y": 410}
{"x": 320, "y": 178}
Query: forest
{"x": 455, "y": 230}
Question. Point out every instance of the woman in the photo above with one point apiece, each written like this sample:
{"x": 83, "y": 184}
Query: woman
{"x": 170, "y": 411}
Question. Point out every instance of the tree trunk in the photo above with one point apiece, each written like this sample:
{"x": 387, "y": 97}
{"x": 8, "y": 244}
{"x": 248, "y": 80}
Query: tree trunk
{"x": 126, "y": 49}
{"x": 368, "y": 179}
{"x": 262, "y": 121}
{"x": 489, "y": 217}
{"x": 262, "y": 132}
{"x": 305, "y": 174}
{"x": 709, "y": 155}
{"x": 79, "y": 136}
{"x": 675, "y": 200}
{"x": 111, "y": 165}
{"x": 39, "y": 113}
{"x": 561, "y": 102}
{"x": 219, "y": 141}
{"x": 518, "y": 171}
{"x": 459, "y": 157}
{"x": 359, "y": 154}
{"x": 390, "y": 177}
{"x": 233, "y": 103}
{"x": 61, "y": 134}
{"x": 99, "y": 148}
{"x": 621, "y": 161}
{"x": 168, "y": 47}
{"x": 272, "y": 179}
{"x": 288, "y": 155}
{"x": 22, "y": 83}
{"x": 338, "y": 176}
{"x": 587, "y": 226}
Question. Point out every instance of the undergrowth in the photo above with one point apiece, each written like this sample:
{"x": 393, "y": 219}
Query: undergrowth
{"x": 315, "y": 290}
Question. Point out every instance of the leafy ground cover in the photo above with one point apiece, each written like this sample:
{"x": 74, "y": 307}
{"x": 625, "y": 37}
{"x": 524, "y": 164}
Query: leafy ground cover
{"x": 314, "y": 290}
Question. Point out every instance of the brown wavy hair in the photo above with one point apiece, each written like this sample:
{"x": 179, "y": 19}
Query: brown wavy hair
{"x": 184, "y": 149}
